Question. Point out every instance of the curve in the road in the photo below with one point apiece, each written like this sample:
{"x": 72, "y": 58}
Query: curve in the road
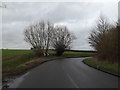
{"x": 65, "y": 73}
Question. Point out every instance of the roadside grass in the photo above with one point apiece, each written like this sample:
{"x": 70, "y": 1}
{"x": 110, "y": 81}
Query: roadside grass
{"x": 9, "y": 66}
{"x": 18, "y": 67}
{"x": 13, "y": 65}
{"x": 112, "y": 68}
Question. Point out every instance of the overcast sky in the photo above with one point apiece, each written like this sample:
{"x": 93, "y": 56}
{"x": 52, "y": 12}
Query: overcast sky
{"x": 79, "y": 17}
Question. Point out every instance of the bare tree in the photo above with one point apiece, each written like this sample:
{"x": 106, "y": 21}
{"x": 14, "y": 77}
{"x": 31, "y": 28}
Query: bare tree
{"x": 49, "y": 32}
{"x": 99, "y": 32}
{"x": 38, "y": 36}
{"x": 43, "y": 35}
{"x": 61, "y": 39}
{"x": 104, "y": 39}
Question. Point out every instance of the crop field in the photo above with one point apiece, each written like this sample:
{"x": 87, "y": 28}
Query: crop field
{"x": 10, "y": 53}
{"x": 16, "y": 61}
{"x": 78, "y": 54}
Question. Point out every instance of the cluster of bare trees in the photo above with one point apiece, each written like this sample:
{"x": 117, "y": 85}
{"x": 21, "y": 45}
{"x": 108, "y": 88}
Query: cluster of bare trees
{"x": 44, "y": 35}
{"x": 104, "y": 39}
{"x": 61, "y": 39}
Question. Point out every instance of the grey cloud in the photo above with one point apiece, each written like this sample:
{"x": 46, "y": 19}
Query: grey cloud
{"x": 78, "y": 17}
{"x": 66, "y": 11}
{"x": 26, "y": 11}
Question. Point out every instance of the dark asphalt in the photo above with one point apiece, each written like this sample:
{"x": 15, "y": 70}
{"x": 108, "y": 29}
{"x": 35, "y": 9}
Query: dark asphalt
{"x": 65, "y": 73}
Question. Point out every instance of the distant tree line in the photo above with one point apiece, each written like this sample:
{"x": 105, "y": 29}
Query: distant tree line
{"x": 105, "y": 39}
{"x": 44, "y": 35}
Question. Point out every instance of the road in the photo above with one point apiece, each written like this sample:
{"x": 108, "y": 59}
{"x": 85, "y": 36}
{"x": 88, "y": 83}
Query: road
{"x": 65, "y": 73}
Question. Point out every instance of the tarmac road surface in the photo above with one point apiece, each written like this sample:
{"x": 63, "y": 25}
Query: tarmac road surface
{"x": 65, "y": 73}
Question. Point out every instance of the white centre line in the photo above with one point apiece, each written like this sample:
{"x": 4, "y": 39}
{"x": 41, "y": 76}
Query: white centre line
{"x": 76, "y": 86}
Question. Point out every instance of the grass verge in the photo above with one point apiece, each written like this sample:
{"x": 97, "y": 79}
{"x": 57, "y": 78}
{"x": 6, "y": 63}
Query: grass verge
{"x": 15, "y": 62}
{"x": 19, "y": 68}
{"x": 103, "y": 66}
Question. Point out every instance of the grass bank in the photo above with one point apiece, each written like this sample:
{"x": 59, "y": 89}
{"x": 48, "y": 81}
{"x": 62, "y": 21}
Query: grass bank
{"x": 15, "y": 62}
{"x": 19, "y": 66}
{"x": 103, "y": 66}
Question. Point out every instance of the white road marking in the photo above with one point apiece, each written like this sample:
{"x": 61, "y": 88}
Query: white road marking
{"x": 76, "y": 86}
{"x": 72, "y": 81}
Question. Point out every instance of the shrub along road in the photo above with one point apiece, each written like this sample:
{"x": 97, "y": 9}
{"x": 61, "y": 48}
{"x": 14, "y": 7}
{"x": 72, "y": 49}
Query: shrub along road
{"x": 65, "y": 73}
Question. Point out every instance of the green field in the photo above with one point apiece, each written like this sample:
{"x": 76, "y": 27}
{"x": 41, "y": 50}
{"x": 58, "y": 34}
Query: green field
{"x": 16, "y": 61}
{"x": 103, "y": 65}
{"x": 78, "y": 54}
{"x": 10, "y": 53}
{"x": 12, "y": 58}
